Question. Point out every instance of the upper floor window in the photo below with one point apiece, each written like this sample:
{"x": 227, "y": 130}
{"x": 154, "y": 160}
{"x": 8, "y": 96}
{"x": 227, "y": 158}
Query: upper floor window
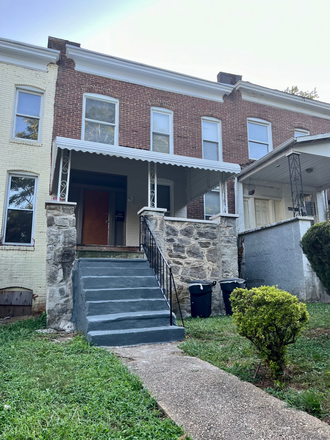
{"x": 260, "y": 138}
{"x": 211, "y": 134}
{"x": 20, "y": 209}
{"x": 27, "y": 122}
{"x": 161, "y": 130}
{"x": 300, "y": 132}
{"x": 100, "y": 119}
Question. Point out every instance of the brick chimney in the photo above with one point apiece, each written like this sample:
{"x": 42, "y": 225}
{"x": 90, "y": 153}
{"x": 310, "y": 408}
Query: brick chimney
{"x": 228, "y": 78}
{"x": 59, "y": 44}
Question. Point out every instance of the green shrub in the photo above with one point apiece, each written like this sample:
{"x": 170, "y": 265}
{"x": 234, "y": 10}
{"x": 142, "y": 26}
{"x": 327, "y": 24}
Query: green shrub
{"x": 271, "y": 319}
{"x": 316, "y": 246}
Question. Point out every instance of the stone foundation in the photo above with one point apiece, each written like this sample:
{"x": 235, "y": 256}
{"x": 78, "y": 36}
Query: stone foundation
{"x": 61, "y": 250}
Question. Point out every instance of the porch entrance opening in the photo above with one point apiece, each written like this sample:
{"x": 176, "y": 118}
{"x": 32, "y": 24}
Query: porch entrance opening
{"x": 101, "y": 207}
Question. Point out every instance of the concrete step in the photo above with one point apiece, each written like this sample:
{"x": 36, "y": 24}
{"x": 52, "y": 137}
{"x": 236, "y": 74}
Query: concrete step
{"x": 133, "y": 320}
{"x": 114, "y": 262}
{"x": 152, "y": 335}
{"x": 117, "y": 271}
{"x": 99, "y": 282}
{"x": 123, "y": 293}
{"x": 125, "y": 306}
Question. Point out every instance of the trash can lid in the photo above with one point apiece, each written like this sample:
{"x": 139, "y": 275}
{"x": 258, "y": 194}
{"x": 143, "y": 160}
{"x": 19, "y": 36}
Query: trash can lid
{"x": 205, "y": 283}
{"x": 232, "y": 280}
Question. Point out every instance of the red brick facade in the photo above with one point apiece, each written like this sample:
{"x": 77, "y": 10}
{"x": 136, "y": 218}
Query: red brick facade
{"x": 135, "y": 102}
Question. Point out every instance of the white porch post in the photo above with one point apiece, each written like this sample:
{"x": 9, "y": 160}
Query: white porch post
{"x": 239, "y": 205}
{"x": 152, "y": 185}
{"x": 64, "y": 176}
{"x": 223, "y": 197}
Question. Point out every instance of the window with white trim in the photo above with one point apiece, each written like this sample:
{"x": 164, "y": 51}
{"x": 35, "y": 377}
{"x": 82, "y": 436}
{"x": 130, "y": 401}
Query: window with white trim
{"x": 211, "y": 135}
{"x": 20, "y": 209}
{"x": 161, "y": 130}
{"x": 100, "y": 119}
{"x": 298, "y": 132}
{"x": 259, "y": 137}
{"x": 211, "y": 203}
{"x": 28, "y": 105}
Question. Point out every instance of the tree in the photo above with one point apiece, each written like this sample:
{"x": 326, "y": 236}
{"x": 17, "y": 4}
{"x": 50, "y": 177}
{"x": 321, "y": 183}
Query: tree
{"x": 293, "y": 90}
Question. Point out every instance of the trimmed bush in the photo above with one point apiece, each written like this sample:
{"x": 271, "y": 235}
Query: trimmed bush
{"x": 271, "y": 319}
{"x": 316, "y": 246}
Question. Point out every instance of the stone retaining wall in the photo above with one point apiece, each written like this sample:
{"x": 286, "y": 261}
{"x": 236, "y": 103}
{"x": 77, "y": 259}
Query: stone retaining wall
{"x": 61, "y": 248}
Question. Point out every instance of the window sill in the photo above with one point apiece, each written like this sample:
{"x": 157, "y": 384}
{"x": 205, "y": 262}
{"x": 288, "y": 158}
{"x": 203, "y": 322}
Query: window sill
{"x": 18, "y": 247}
{"x": 25, "y": 142}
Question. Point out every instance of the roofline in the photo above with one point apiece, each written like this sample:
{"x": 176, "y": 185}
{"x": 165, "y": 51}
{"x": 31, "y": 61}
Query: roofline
{"x": 27, "y": 55}
{"x": 286, "y": 145}
{"x": 95, "y": 63}
{"x": 276, "y": 98}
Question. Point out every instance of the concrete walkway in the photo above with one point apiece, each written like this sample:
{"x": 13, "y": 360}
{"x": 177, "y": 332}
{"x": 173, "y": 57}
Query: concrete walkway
{"x": 211, "y": 404}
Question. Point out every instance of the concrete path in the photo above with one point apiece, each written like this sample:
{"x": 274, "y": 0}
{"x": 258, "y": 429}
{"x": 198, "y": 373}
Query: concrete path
{"x": 211, "y": 404}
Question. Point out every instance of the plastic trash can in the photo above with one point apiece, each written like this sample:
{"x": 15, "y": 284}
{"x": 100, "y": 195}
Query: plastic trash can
{"x": 227, "y": 286}
{"x": 201, "y": 298}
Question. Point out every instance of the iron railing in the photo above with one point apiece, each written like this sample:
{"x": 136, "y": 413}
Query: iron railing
{"x": 160, "y": 266}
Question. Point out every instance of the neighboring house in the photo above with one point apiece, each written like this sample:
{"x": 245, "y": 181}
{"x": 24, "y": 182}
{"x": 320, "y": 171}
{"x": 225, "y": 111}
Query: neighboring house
{"x": 282, "y": 195}
{"x": 27, "y": 87}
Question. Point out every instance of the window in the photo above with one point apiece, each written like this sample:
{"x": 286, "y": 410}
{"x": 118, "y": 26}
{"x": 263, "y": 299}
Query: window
{"x": 27, "y": 115}
{"x": 21, "y": 201}
{"x": 211, "y": 203}
{"x": 211, "y": 134}
{"x": 260, "y": 138}
{"x": 161, "y": 131}
{"x": 300, "y": 132}
{"x": 100, "y": 119}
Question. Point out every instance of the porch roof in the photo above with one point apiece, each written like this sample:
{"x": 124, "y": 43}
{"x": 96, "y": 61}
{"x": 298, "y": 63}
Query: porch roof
{"x": 314, "y": 159}
{"x": 202, "y": 175}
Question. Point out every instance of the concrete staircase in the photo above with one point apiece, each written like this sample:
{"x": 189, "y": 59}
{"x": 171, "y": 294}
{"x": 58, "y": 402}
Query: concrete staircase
{"x": 118, "y": 302}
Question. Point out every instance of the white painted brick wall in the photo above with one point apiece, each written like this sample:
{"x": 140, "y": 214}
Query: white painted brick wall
{"x": 22, "y": 266}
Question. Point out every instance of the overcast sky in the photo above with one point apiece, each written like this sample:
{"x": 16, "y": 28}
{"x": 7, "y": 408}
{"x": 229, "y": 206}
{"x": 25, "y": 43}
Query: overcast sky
{"x": 273, "y": 43}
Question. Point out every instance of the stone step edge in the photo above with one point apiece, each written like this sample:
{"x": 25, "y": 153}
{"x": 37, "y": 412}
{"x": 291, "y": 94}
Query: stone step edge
{"x": 117, "y": 301}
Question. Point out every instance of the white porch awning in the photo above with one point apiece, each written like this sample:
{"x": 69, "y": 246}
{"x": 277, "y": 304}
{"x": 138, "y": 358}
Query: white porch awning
{"x": 202, "y": 174}
{"x": 314, "y": 159}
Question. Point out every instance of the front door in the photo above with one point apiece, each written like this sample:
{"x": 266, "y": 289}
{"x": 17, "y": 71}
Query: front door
{"x": 96, "y": 217}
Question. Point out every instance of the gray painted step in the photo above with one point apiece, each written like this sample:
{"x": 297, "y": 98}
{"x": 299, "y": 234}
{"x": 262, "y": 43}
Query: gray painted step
{"x": 123, "y": 293}
{"x": 94, "y": 282}
{"x": 122, "y": 321}
{"x": 125, "y": 306}
{"x": 151, "y": 335}
{"x": 114, "y": 262}
{"x": 117, "y": 271}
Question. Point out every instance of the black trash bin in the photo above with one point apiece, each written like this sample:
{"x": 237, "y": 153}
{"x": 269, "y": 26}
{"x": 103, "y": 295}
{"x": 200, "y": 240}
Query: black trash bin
{"x": 201, "y": 297}
{"x": 227, "y": 286}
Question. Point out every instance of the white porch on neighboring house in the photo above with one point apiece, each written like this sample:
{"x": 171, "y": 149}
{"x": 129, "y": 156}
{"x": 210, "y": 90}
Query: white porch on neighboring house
{"x": 288, "y": 182}
{"x": 110, "y": 184}
{"x": 282, "y": 195}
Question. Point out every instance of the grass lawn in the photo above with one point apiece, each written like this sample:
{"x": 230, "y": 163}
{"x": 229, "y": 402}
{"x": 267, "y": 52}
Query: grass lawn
{"x": 71, "y": 390}
{"x": 306, "y": 384}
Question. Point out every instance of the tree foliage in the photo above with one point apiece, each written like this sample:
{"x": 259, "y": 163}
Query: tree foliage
{"x": 294, "y": 90}
{"x": 316, "y": 246}
{"x": 271, "y": 319}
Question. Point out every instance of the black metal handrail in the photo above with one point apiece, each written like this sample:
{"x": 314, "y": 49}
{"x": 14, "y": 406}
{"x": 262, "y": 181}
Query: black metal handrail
{"x": 160, "y": 266}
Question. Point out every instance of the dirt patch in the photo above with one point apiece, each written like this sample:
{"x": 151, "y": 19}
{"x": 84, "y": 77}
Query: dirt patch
{"x": 317, "y": 332}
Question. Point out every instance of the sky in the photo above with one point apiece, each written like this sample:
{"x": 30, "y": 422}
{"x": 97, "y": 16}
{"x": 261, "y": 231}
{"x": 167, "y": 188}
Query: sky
{"x": 273, "y": 43}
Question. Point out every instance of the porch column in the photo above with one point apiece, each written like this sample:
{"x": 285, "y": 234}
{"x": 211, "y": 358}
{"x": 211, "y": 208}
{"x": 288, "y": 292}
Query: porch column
{"x": 223, "y": 197}
{"x": 239, "y": 205}
{"x": 152, "y": 185}
{"x": 297, "y": 192}
{"x": 64, "y": 176}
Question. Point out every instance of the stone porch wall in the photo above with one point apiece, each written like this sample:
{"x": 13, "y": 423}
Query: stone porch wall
{"x": 197, "y": 250}
{"x": 61, "y": 250}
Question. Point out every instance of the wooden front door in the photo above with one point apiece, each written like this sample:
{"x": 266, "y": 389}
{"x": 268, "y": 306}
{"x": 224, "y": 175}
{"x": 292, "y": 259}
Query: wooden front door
{"x": 96, "y": 217}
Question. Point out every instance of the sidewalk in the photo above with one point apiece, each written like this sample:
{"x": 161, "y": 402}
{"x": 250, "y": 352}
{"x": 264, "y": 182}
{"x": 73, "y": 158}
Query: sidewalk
{"x": 211, "y": 404}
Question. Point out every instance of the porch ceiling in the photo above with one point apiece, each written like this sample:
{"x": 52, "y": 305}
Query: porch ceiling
{"x": 274, "y": 167}
{"x": 202, "y": 175}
